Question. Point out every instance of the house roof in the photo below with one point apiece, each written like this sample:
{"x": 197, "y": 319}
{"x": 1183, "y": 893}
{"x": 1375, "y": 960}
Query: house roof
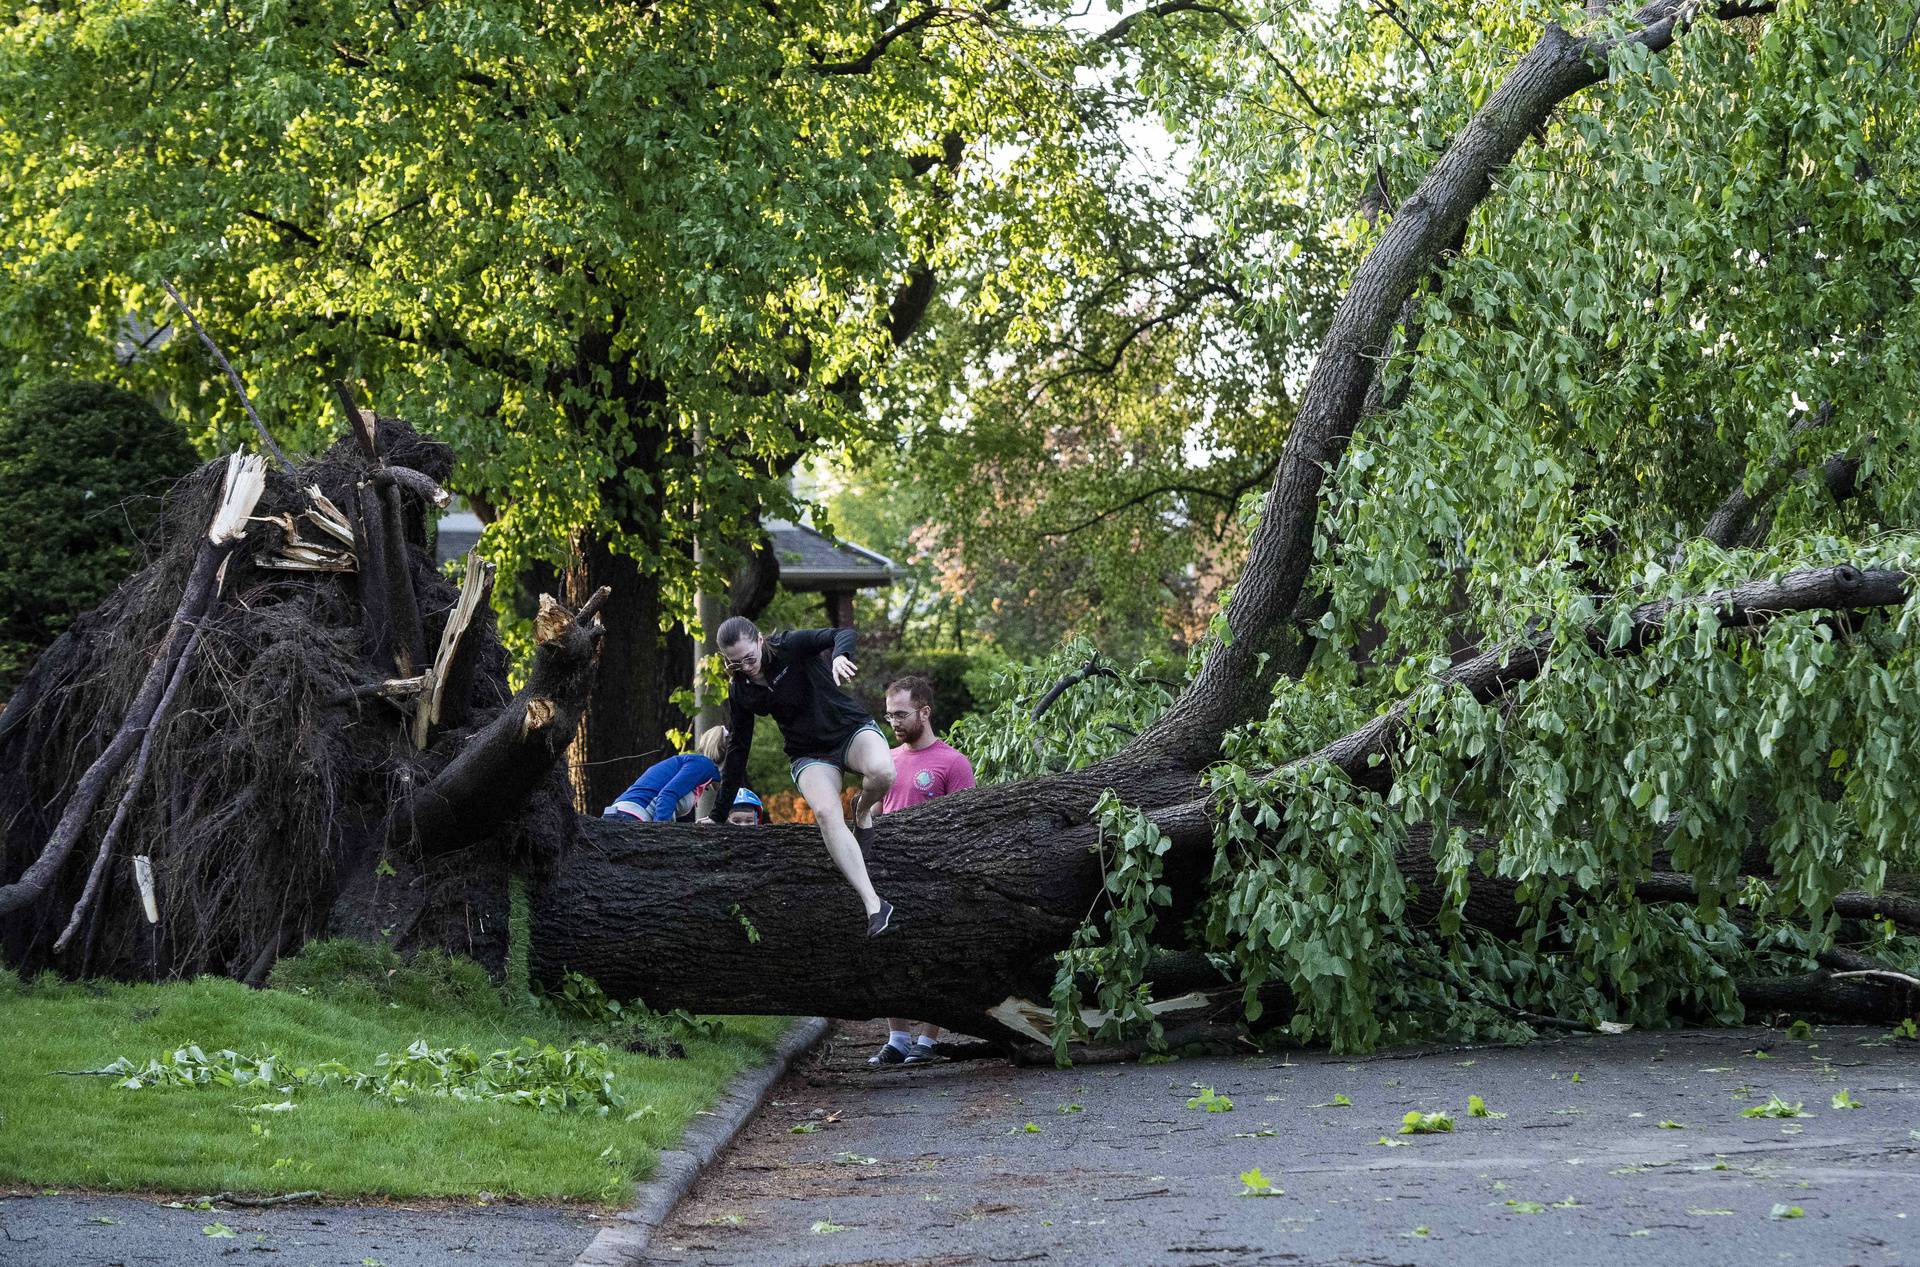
{"x": 809, "y": 562}
{"x": 455, "y": 535}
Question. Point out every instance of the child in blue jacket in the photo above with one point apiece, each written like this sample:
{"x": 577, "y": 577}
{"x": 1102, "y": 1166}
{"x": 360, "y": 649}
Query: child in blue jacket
{"x": 670, "y": 789}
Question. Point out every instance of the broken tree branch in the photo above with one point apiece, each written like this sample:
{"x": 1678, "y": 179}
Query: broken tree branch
{"x": 266, "y": 437}
{"x": 504, "y": 760}
{"x": 432, "y": 704}
{"x": 1363, "y": 755}
{"x": 135, "y": 781}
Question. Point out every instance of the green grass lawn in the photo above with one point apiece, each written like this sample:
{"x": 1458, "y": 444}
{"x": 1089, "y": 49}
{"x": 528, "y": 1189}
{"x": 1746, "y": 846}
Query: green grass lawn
{"x": 84, "y": 1132}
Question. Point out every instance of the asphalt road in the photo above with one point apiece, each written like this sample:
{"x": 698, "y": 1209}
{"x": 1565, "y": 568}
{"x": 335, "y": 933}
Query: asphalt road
{"x": 96, "y": 1231}
{"x": 937, "y": 1165}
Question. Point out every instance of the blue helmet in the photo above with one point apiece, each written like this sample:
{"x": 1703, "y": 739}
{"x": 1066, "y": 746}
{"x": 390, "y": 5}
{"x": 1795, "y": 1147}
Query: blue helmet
{"x": 746, "y": 798}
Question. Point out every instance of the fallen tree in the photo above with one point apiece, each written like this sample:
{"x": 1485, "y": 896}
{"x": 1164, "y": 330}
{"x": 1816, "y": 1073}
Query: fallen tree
{"x": 302, "y": 763}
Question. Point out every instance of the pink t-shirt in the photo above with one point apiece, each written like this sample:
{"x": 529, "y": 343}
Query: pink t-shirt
{"x": 918, "y": 777}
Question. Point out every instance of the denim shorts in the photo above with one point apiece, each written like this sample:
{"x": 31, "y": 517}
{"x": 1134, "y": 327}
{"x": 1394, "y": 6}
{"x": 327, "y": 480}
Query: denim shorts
{"x": 837, "y": 758}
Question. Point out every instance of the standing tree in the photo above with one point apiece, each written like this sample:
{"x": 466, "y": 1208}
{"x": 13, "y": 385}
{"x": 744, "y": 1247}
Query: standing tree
{"x": 1675, "y": 778}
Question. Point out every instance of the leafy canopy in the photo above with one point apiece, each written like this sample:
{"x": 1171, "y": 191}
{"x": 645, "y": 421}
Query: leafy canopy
{"x": 567, "y": 237}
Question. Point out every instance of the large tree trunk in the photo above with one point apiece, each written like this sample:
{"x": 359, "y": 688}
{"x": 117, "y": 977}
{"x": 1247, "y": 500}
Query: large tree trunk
{"x": 625, "y": 724}
{"x": 987, "y": 885}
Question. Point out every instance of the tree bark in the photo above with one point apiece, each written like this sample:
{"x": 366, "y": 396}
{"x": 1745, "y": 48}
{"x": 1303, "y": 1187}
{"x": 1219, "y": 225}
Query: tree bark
{"x": 756, "y": 920}
{"x": 623, "y": 728}
{"x": 997, "y": 877}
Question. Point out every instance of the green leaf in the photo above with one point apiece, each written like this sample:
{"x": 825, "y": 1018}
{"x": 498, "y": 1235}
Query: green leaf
{"x": 1775, "y": 1107}
{"x": 1255, "y": 1184}
{"x": 219, "y": 1231}
{"x": 1211, "y": 1102}
{"x": 1418, "y": 1123}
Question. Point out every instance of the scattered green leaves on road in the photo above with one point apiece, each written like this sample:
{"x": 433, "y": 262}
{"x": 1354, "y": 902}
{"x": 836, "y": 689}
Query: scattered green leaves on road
{"x": 1211, "y": 1102}
{"x": 1477, "y": 1107}
{"x": 1255, "y": 1184}
{"x": 1843, "y": 1099}
{"x": 1418, "y": 1123}
{"x": 1775, "y": 1107}
{"x": 1781, "y": 1210}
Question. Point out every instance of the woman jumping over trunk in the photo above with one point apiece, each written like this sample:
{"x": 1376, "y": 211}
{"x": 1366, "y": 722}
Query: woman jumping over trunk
{"x": 788, "y": 678}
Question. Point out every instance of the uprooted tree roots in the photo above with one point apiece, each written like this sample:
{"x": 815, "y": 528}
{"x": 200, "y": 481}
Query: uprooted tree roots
{"x": 297, "y": 723}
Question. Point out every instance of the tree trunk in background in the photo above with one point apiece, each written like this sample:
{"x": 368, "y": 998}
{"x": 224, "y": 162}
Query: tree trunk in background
{"x": 627, "y": 720}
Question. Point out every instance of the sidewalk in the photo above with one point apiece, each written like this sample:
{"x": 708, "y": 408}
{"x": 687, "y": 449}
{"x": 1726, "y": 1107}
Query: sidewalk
{"x": 937, "y": 1165}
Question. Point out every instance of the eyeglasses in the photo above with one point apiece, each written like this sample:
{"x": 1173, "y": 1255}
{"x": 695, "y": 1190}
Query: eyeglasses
{"x": 898, "y": 716}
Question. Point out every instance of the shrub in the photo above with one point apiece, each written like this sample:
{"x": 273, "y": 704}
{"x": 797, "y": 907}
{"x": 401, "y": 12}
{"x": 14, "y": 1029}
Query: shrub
{"x": 82, "y": 469}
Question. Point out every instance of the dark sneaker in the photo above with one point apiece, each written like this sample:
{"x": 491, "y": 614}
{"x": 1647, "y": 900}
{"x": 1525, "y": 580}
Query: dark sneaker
{"x": 920, "y": 1055}
{"x": 862, "y": 835}
{"x": 878, "y": 921}
{"x": 888, "y": 1055}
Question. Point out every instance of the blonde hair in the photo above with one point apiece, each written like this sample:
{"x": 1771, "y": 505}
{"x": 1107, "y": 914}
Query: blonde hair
{"x": 713, "y": 744}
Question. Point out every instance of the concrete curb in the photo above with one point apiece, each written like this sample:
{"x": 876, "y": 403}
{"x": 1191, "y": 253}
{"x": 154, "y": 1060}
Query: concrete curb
{"x": 626, "y": 1244}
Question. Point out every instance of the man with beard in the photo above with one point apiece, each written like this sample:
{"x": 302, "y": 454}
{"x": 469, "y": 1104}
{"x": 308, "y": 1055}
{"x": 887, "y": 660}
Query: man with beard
{"x": 924, "y": 767}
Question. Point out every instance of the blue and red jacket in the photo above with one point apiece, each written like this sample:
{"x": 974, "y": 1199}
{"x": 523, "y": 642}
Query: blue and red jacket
{"x": 656, "y": 795}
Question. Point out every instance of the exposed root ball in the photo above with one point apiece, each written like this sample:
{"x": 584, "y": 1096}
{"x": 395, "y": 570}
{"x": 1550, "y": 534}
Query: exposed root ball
{"x": 266, "y": 802}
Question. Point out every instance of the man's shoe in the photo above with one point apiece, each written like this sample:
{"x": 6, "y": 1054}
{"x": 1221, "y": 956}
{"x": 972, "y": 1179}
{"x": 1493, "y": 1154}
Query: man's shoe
{"x": 888, "y": 1055}
{"x": 921, "y": 1054}
{"x": 863, "y": 836}
{"x": 878, "y": 921}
